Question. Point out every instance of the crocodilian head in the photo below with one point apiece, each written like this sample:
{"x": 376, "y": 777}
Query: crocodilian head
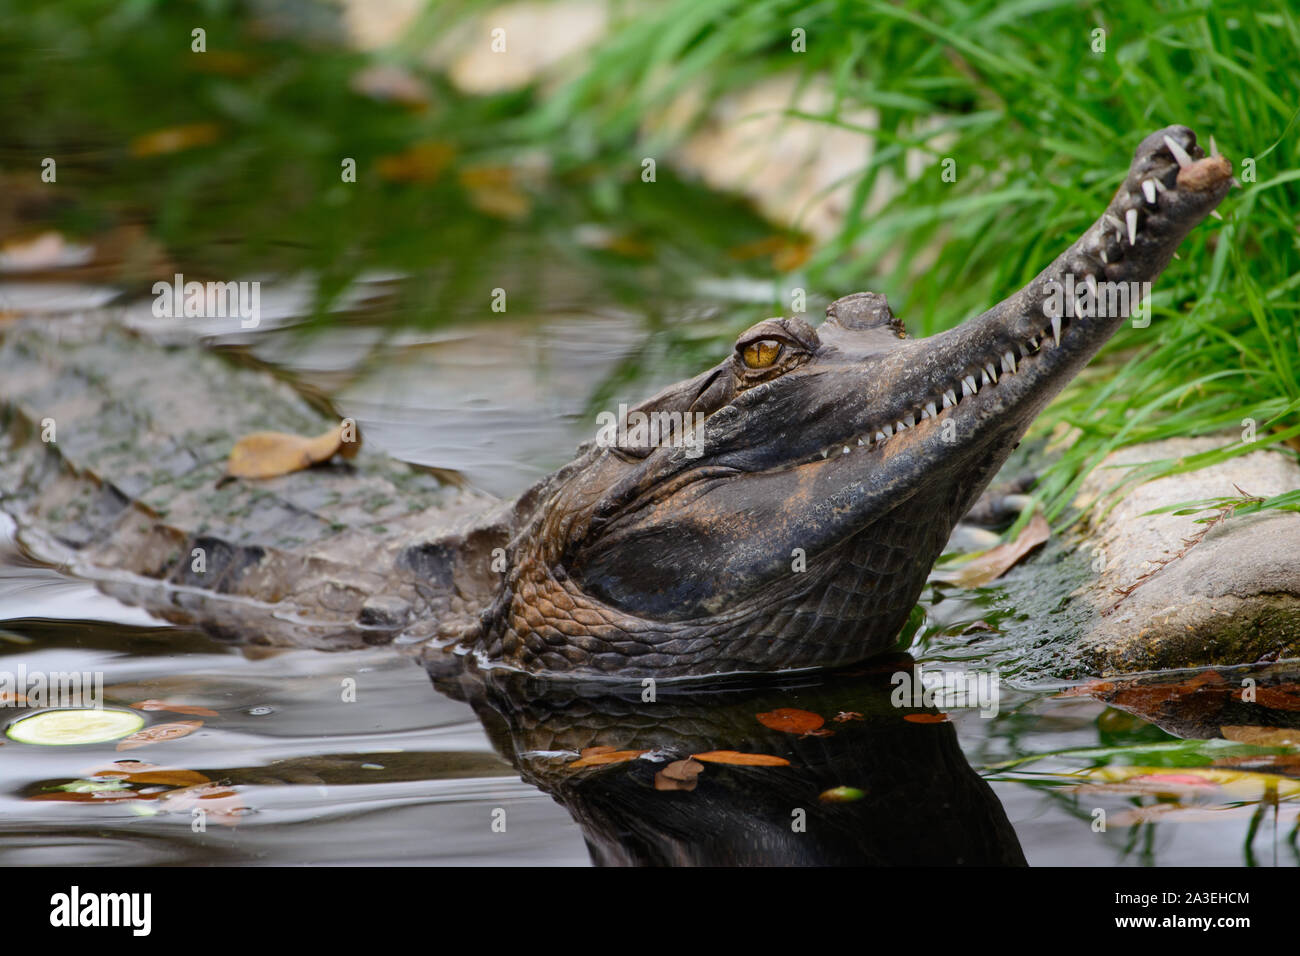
{"x": 783, "y": 509}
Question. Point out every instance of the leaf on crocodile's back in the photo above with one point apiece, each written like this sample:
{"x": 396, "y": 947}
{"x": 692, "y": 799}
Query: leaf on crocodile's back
{"x": 193, "y": 711}
{"x": 159, "y": 733}
{"x": 791, "y": 720}
{"x": 271, "y": 454}
{"x": 737, "y": 759}
{"x": 995, "y": 562}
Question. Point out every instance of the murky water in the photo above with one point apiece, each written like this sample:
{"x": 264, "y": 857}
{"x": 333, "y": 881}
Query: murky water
{"x": 227, "y": 168}
{"x": 359, "y": 757}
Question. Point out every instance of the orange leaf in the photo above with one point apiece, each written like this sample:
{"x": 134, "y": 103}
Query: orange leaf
{"x": 604, "y": 756}
{"x": 270, "y": 454}
{"x": 159, "y": 733}
{"x": 926, "y": 718}
{"x": 735, "y": 758}
{"x": 175, "y": 708}
{"x": 791, "y": 721}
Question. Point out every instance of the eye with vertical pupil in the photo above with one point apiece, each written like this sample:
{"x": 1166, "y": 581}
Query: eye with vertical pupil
{"x": 761, "y": 354}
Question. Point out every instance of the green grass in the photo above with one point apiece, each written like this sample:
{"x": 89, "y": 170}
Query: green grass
{"x": 1040, "y": 126}
{"x": 1042, "y": 129}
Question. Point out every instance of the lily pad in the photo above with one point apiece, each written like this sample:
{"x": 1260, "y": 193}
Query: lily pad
{"x": 63, "y": 728}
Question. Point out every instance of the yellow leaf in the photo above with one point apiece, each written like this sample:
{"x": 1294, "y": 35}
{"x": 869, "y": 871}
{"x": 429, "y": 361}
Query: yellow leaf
{"x": 270, "y": 454}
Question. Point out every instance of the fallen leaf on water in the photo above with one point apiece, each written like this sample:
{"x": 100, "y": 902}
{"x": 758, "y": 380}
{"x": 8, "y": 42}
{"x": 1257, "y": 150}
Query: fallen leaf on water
{"x": 270, "y": 454}
{"x": 1262, "y": 736}
{"x": 159, "y": 733}
{"x": 790, "y": 720}
{"x": 600, "y": 756}
{"x": 175, "y": 708}
{"x": 220, "y": 804}
{"x": 1278, "y": 698}
{"x": 995, "y": 562}
{"x": 422, "y": 163}
{"x": 173, "y": 139}
{"x": 679, "y": 775}
{"x": 846, "y": 715}
{"x": 737, "y": 759}
{"x": 170, "y": 778}
{"x": 98, "y": 796}
{"x": 926, "y": 718}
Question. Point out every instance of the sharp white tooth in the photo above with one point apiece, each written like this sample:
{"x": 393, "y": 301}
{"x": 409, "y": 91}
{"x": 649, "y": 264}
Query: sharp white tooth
{"x": 861, "y": 440}
{"x": 1131, "y": 217}
{"x": 1111, "y": 221}
{"x": 1033, "y": 343}
{"x": 1161, "y": 187}
{"x": 1149, "y": 190}
{"x": 1214, "y": 147}
{"x": 1090, "y": 281}
{"x": 984, "y": 378}
{"x": 1056, "y": 329}
{"x": 1008, "y": 362}
{"x": 969, "y": 382}
{"x": 931, "y": 410}
{"x": 992, "y": 372}
{"x": 910, "y": 420}
{"x": 888, "y": 430}
{"x": 1104, "y": 257}
{"x": 1216, "y": 214}
{"x": 825, "y": 452}
{"x": 1177, "y": 256}
{"x": 900, "y": 426}
{"x": 846, "y": 449}
{"x": 1180, "y": 154}
{"x": 950, "y": 397}
{"x": 925, "y": 413}
{"x": 880, "y": 436}
{"x": 1236, "y": 182}
{"x": 966, "y": 390}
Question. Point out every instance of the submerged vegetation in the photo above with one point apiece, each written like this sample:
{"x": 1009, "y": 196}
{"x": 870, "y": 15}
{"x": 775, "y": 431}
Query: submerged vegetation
{"x": 231, "y": 162}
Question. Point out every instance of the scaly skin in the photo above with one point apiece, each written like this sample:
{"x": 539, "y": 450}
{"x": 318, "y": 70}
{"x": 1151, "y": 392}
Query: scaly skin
{"x": 637, "y": 561}
{"x": 849, "y": 449}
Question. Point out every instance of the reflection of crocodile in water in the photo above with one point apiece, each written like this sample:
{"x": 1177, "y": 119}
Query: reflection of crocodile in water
{"x": 848, "y": 450}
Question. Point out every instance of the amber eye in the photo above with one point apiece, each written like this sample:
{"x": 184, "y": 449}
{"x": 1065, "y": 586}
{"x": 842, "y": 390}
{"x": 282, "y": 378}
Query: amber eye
{"x": 761, "y": 354}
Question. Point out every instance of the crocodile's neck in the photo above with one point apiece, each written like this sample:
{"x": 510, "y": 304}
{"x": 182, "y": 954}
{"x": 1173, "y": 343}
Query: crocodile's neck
{"x": 791, "y": 525}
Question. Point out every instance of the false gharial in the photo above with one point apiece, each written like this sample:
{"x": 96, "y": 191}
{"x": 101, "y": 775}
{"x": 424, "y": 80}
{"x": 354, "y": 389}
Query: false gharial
{"x": 849, "y": 445}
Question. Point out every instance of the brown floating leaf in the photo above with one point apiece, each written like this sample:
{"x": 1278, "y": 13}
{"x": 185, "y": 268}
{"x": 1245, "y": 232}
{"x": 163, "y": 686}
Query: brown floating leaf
{"x": 175, "y": 708}
{"x": 1286, "y": 697}
{"x": 1262, "y": 736}
{"x": 159, "y": 733}
{"x": 173, "y": 139}
{"x": 791, "y": 721}
{"x": 600, "y": 756}
{"x": 926, "y": 718}
{"x": 220, "y": 804}
{"x": 737, "y": 759}
{"x": 995, "y": 562}
{"x": 170, "y": 778}
{"x": 270, "y": 454}
{"x": 679, "y": 775}
{"x": 846, "y": 715}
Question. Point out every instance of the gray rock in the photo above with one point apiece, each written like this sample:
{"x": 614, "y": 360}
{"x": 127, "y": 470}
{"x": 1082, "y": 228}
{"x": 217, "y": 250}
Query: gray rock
{"x": 1234, "y": 597}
